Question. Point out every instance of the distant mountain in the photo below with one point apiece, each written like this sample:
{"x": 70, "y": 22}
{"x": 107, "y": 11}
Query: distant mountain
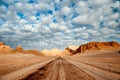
{"x": 7, "y": 49}
{"x": 70, "y": 50}
{"x": 96, "y": 46}
{"x": 52, "y": 52}
{"x": 56, "y": 52}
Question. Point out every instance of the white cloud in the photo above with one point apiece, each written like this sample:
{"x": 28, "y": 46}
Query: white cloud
{"x": 46, "y": 19}
{"x": 18, "y": 6}
{"x": 99, "y": 2}
{"x": 27, "y": 28}
{"x": 113, "y": 24}
{"x": 83, "y": 19}
{"x": 114, "y": 16}
{"x": 88, "y": 20}
{"x": 41, "y": 6}
{"x": 65, "y": 10}
{"x": 82, "y": 4}
{"x": 32, "y": 18}
{"x": 22, "y": 21}
{"x": 2, "y": 9}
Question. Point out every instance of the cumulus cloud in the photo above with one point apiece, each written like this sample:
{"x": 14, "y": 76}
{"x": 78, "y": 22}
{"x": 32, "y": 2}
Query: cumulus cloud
{"x": 66, "y": 10}
{"x": 58, "y": 23}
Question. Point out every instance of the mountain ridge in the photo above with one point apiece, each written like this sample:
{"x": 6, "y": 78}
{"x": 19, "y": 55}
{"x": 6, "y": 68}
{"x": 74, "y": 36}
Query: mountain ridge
{"x": 70, "y": 50}
{"x": 113, "y": 45}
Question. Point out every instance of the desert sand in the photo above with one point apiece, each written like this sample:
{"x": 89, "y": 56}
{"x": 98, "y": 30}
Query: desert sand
{"x": 90, "y": 64}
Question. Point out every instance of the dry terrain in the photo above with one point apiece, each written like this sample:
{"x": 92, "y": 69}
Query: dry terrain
{"x": 97, "y": 65}
{"x": 13, "y": 62}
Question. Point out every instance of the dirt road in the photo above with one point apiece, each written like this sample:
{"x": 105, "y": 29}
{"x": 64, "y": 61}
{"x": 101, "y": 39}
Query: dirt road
{"x": 59, "y": 69}
{"x": 76, "y": 67}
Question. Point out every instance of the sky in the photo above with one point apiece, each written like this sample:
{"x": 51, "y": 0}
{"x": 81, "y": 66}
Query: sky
{"x": 46, "y": 24}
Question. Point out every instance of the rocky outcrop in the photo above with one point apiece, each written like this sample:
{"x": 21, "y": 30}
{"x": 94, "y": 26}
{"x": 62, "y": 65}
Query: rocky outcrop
{"x": 65, "y": 52}
{"x": 18, "y": 49}
{"x": 98, "y": 46}
{"x": 4, "y": 48}
{"x": 7, "y": 49}
{"x": 56, "y": 52}
{"x": 2, "y": 43}
{"x": 52, "y": 52}
{"x": 71, "y": 49}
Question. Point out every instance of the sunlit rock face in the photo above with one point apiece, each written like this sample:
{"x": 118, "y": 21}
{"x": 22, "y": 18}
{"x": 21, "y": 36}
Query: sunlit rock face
{"x": 91, "y": 46}
{"x": 70, "y": 50}
{"x": 73, "y": 47}
{"x": 56, "y": 52}
{"x": 7, "y": 49}
{"x": 4, "y": 48}
{"x": 18, "y": 48}
{"x": 1, "y": 43}
{"x": 99, "y": 46}
{"x": 52, "y": 52}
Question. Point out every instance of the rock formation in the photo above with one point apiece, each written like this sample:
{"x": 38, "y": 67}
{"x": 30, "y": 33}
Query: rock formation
{"x": 2, "y": 43}
{"x": 67, "y": 51}
{"x": 7, "y": 49}
{"x": 98, "y": 46}
{"x": 52, "y": 52}
{"x": 72, "y": 47}
{"x": 45, "y": 52}
{"x": 18, "y": 49}
{"x": 4, "y": 48}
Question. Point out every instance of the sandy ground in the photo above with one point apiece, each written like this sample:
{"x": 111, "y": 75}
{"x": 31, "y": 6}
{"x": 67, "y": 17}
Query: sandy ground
{"x": 98, "y": 65}
{"x": 105, "y": 64}
{"x": 59, "y": 69}
{"x": 13, "y": 62}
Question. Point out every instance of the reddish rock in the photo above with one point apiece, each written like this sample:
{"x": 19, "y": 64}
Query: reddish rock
{"x": 4, "y": 48}
{"x": 2, "y": 43}
{"x": 95, "y": 46}
{"x": 19, "y": 48}
{"x": 7, "y": 49}
{"x": 70, "y": 50}
{"x": 98, "y": 46}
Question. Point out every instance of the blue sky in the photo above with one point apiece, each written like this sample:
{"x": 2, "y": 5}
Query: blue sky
{"x": 46, "y": 24}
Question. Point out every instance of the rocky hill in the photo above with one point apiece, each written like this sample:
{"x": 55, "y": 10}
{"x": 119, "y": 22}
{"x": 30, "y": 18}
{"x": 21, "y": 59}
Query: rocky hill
{"x": 56, "y": 52}
{"x": 67, "y": 51}
{"x": 4, "y": 48}
{"x": 7, "y": 49}
{"x": 72, "y": 49}
{"x": 52, "y": 52}
{"x": 96, "y": 46}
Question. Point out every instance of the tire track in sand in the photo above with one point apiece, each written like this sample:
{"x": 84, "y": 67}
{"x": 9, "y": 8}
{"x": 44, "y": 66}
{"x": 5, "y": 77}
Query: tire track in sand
{"x": 59, "y": 69}
{"x": 95, "y": 72}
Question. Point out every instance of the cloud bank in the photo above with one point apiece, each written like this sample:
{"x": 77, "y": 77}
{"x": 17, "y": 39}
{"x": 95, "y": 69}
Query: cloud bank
{"x": 57, "y": 23}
